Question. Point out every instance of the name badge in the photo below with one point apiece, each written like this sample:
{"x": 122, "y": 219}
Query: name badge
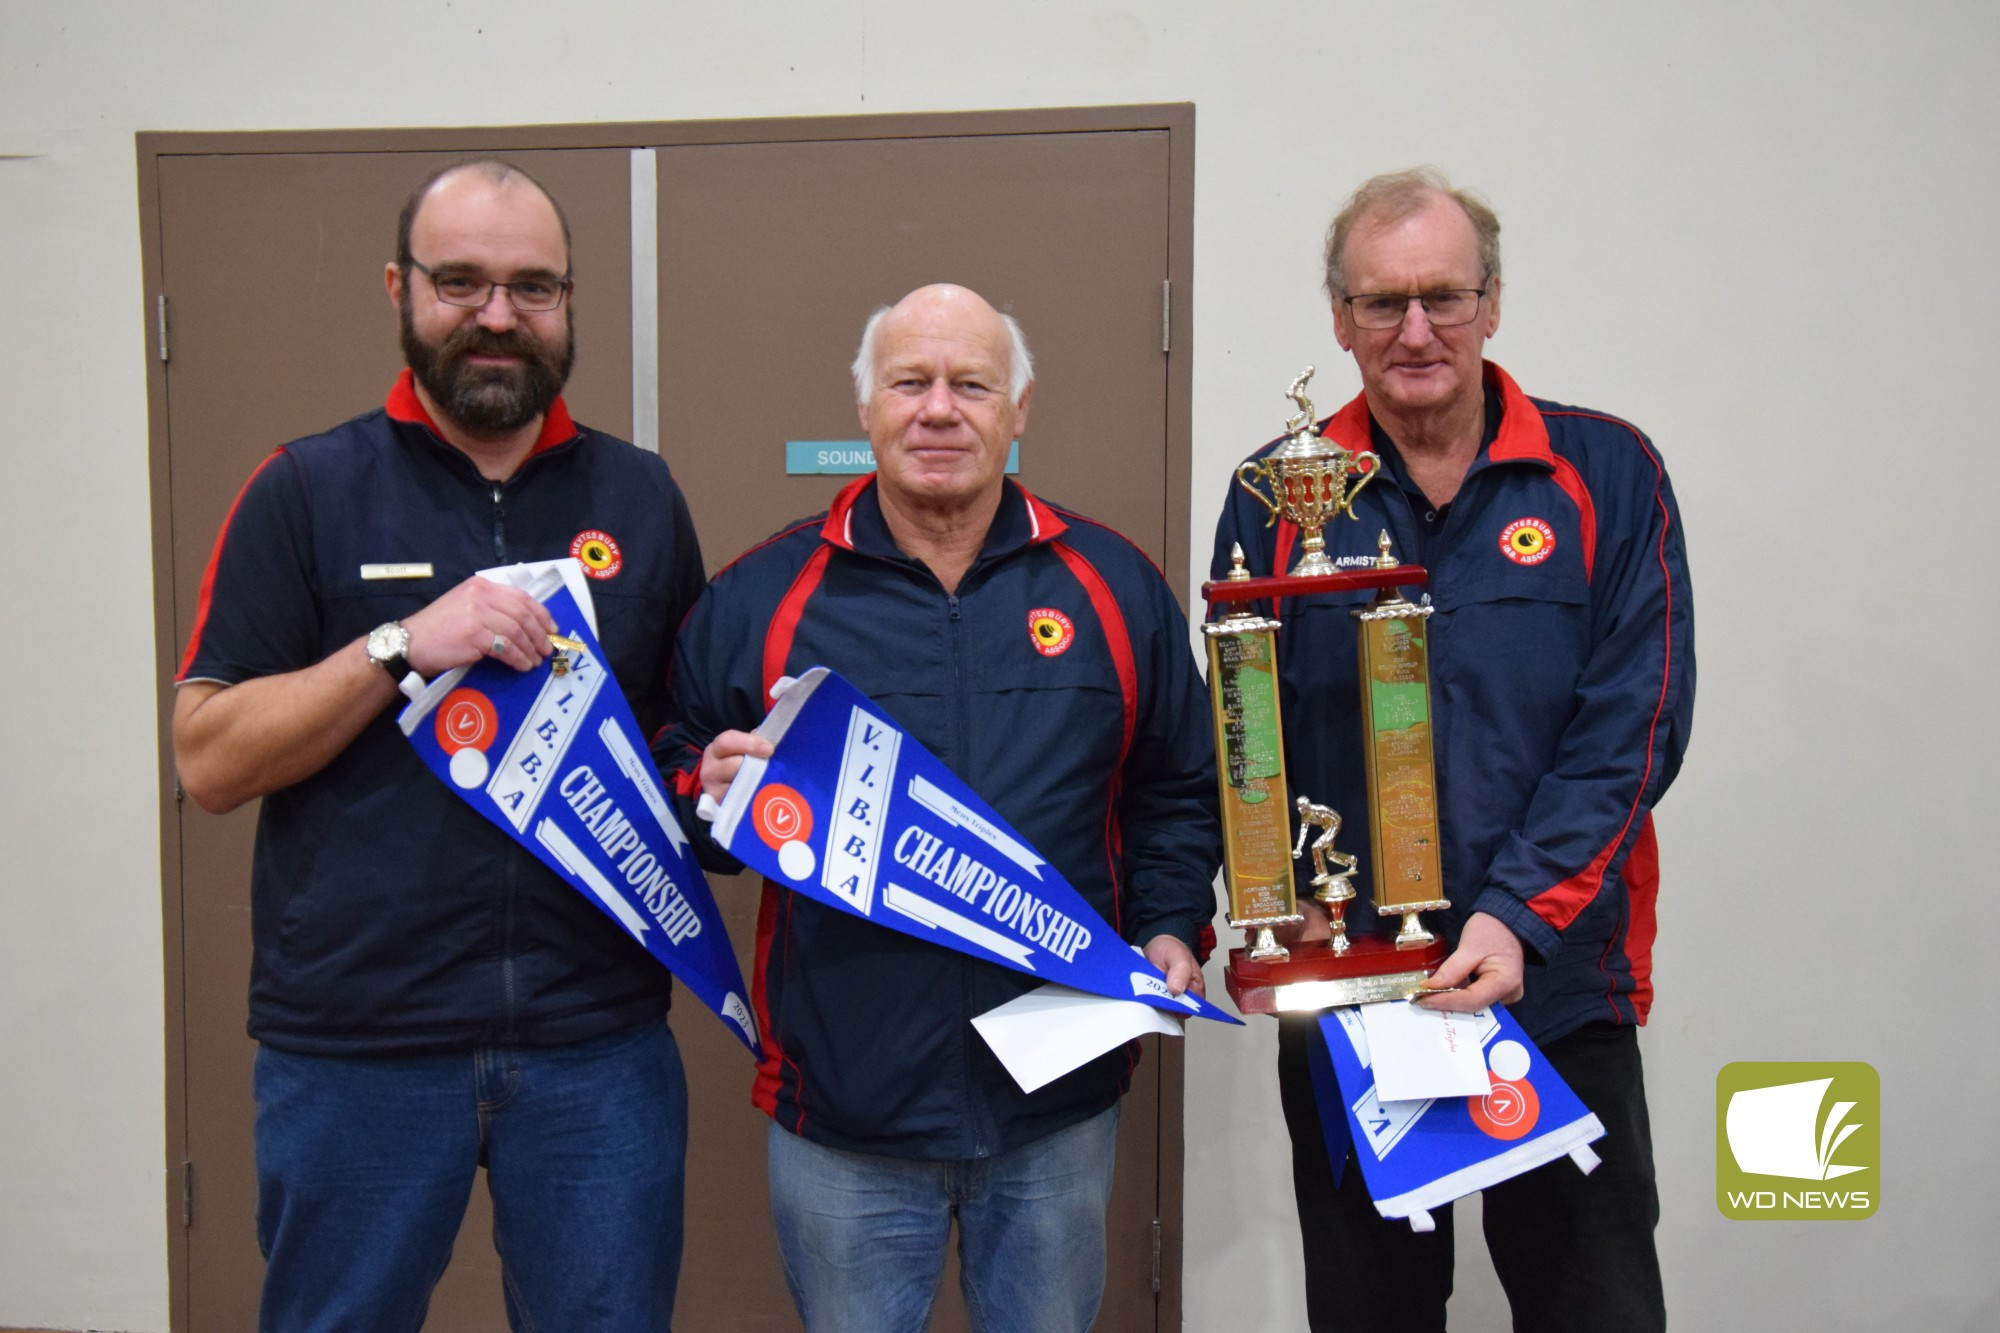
{"x": 414, "y": 570}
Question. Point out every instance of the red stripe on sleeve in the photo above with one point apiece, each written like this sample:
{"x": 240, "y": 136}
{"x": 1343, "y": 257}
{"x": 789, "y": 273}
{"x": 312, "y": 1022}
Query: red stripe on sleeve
{"x": 1116, "y": 636}
{"x": 1119, "y": 639}
{"x": 1642, "y": 885}
{"x": 1572, "y": 485}
{"x": 1559, "y": 904}
{"x": 785, "y": 624}
{"x": 770, "y": 1071}
{"x": 208, "y": 575}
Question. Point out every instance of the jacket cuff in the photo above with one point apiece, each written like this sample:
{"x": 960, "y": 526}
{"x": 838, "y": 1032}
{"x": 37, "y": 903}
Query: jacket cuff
{"x": 1537, "y": 936}
{"x": 1185, "y": 931}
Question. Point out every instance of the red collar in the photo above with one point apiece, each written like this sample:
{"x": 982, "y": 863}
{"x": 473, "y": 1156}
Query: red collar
{"x": 404, "y": 405}
{"x": 1042, "y": 523}
{"x": 1523, "y": 434}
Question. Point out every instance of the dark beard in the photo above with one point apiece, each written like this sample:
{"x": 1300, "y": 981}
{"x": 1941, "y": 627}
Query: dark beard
{"x": 490, "y": 400}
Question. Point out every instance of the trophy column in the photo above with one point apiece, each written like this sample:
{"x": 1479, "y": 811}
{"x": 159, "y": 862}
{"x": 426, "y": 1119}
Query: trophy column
{"x": 1250, "y": 763}
{"x": 1310, "y": 483}
{"x": 1392, "y": 639}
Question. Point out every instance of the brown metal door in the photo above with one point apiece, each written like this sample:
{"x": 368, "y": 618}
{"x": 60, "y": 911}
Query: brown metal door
{"x": 278, "y": 327}
{"x": 771, "y": 256}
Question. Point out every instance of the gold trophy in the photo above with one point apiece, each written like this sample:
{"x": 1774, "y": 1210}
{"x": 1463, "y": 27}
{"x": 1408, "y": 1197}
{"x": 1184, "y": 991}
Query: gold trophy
{"x": 1312, "y": 482}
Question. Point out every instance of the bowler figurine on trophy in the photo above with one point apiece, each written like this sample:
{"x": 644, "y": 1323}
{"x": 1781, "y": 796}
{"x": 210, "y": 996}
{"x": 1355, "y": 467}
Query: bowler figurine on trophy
{"x": 1312, "y": 482}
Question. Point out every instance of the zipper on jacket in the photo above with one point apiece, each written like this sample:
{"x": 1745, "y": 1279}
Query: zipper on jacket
{"x": 981, "y": 1128}
{"x": 958, "y": 709}
{"x": 499, "y": 525}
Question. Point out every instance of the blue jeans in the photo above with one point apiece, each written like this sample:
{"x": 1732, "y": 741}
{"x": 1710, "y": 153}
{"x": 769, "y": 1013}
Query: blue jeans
{"x": 364, "y": 1167}
{"x": 863, "y": 1237}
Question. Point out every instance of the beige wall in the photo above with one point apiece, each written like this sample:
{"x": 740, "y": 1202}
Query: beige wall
{"x": 1761, "y": 232}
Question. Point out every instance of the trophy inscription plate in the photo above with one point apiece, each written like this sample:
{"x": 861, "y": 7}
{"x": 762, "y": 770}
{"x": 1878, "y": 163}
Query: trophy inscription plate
{"x": 1249, "y": 745}
{"x": 1402, "y": 788}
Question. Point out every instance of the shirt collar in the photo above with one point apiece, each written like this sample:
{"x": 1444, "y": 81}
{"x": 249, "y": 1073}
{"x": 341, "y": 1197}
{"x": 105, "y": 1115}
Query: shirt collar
{"x": 854, "y": 522}
{"x": 404, "y": 405}
{"x": 1520, "y": 433}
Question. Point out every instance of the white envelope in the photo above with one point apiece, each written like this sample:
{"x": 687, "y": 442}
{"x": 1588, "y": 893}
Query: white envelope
{"x": 1053, "y": 1029}
{"x": 1418, "y": 1052}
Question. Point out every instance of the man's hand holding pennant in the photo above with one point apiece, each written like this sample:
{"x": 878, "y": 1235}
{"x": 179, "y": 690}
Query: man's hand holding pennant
{"x": 553, "y": 756}
{"x": 853, "y": 812}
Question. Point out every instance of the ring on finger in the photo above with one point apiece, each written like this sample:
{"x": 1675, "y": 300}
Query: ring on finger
{"x": 499, "y": 645}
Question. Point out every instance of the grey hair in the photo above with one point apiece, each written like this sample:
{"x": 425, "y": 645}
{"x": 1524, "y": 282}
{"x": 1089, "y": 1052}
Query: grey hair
{"x": 1021, "y": 370}
{"x": 1395, "y": 195}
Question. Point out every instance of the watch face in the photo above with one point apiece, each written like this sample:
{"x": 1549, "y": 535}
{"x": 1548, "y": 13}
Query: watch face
{"x": 388, "y": 641}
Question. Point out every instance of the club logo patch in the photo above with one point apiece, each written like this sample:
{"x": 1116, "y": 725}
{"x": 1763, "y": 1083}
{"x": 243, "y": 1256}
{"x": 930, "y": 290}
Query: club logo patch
{"x": 467, "y": 724}
{"x": 784, "y": 821}
{"x": 781, "y": 816}
{"x": 1050, "y": 631}
{"x": 1527, "y": 541}
{"x": 599, "y": 553}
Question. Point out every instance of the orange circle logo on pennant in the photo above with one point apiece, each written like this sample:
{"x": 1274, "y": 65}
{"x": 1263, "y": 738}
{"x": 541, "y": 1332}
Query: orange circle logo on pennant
{"x": 1508, "y": 1112}
{"x": 466, "y": 720}
{"x": 598, "y": 552}
{"x": 1527, "y": 541}
{"x": 781, "y": 815}
{"x": 1050, "y": 631}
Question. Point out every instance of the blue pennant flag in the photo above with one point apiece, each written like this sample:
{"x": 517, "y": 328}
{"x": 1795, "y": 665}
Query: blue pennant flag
{"x": 1420, "y": 1154}
{"x": 853, "y": 812}
{"x": 508, "y": 741}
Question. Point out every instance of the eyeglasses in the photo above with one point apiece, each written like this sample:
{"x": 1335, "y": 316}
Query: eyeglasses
{"x": 1386, "y": 310}
{"x": 530, "y": 296}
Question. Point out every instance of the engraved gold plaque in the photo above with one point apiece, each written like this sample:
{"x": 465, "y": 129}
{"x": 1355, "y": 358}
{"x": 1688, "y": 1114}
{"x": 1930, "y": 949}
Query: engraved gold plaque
{"x": 1250, "y": 758}
{"x": 1392, "y": 637}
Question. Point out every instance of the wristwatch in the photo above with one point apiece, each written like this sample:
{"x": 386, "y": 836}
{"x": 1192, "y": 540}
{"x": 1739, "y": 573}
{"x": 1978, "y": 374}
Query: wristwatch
{"x": 387, "y": 646}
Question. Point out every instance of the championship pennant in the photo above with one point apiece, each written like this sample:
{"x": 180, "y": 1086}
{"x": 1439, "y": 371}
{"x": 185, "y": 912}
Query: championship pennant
{"x": 1423, "y": 1153}
{"x": 554, "y": 757}
{"x": 852, "y": 812}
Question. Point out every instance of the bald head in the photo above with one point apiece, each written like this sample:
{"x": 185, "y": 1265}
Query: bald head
{"x": 947, "y": 308}
{"x": 943, "y": 382}
{"x": 456, "y": 178}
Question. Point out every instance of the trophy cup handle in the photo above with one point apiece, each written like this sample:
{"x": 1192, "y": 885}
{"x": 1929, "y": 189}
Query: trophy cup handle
{"x": 1374, "y": 470}
{"x": 1258, "y": 467}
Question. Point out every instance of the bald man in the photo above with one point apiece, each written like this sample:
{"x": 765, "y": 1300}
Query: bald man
{"x": 428, "y": 997}
{"x": 1043, "y": 659}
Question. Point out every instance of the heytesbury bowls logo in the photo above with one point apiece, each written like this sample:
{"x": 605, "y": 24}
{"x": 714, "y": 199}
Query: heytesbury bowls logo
{"x": 1527, "y": 541}
{"x": 599, "y": 553}
{"x": 1798, "y": 1141}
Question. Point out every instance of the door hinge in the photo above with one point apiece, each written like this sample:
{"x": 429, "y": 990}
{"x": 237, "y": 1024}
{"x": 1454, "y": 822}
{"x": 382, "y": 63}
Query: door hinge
{"x": 160, "y": 306}
{"x": 187, "y": 1200}
{"x": 1166, "y": 314}
{"x": 1156, "y": 1255}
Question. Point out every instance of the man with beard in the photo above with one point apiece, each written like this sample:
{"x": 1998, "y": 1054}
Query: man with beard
{"x": 427, "y": 996}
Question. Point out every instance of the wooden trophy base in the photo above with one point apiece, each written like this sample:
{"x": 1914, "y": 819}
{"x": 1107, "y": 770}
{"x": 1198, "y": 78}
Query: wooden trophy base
{"x": 1314, "y": 977}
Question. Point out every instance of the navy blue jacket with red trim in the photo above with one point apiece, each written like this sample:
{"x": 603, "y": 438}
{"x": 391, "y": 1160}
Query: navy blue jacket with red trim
{"x": 387, "y": 915}
{"x": 1096, "y": 747}
{"x": 1562, "y": 684}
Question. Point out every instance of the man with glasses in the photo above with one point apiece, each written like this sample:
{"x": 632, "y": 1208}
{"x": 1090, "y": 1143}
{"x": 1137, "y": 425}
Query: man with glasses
{"x": 428, "y": 997}
{"x": 1562, "y": 689}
